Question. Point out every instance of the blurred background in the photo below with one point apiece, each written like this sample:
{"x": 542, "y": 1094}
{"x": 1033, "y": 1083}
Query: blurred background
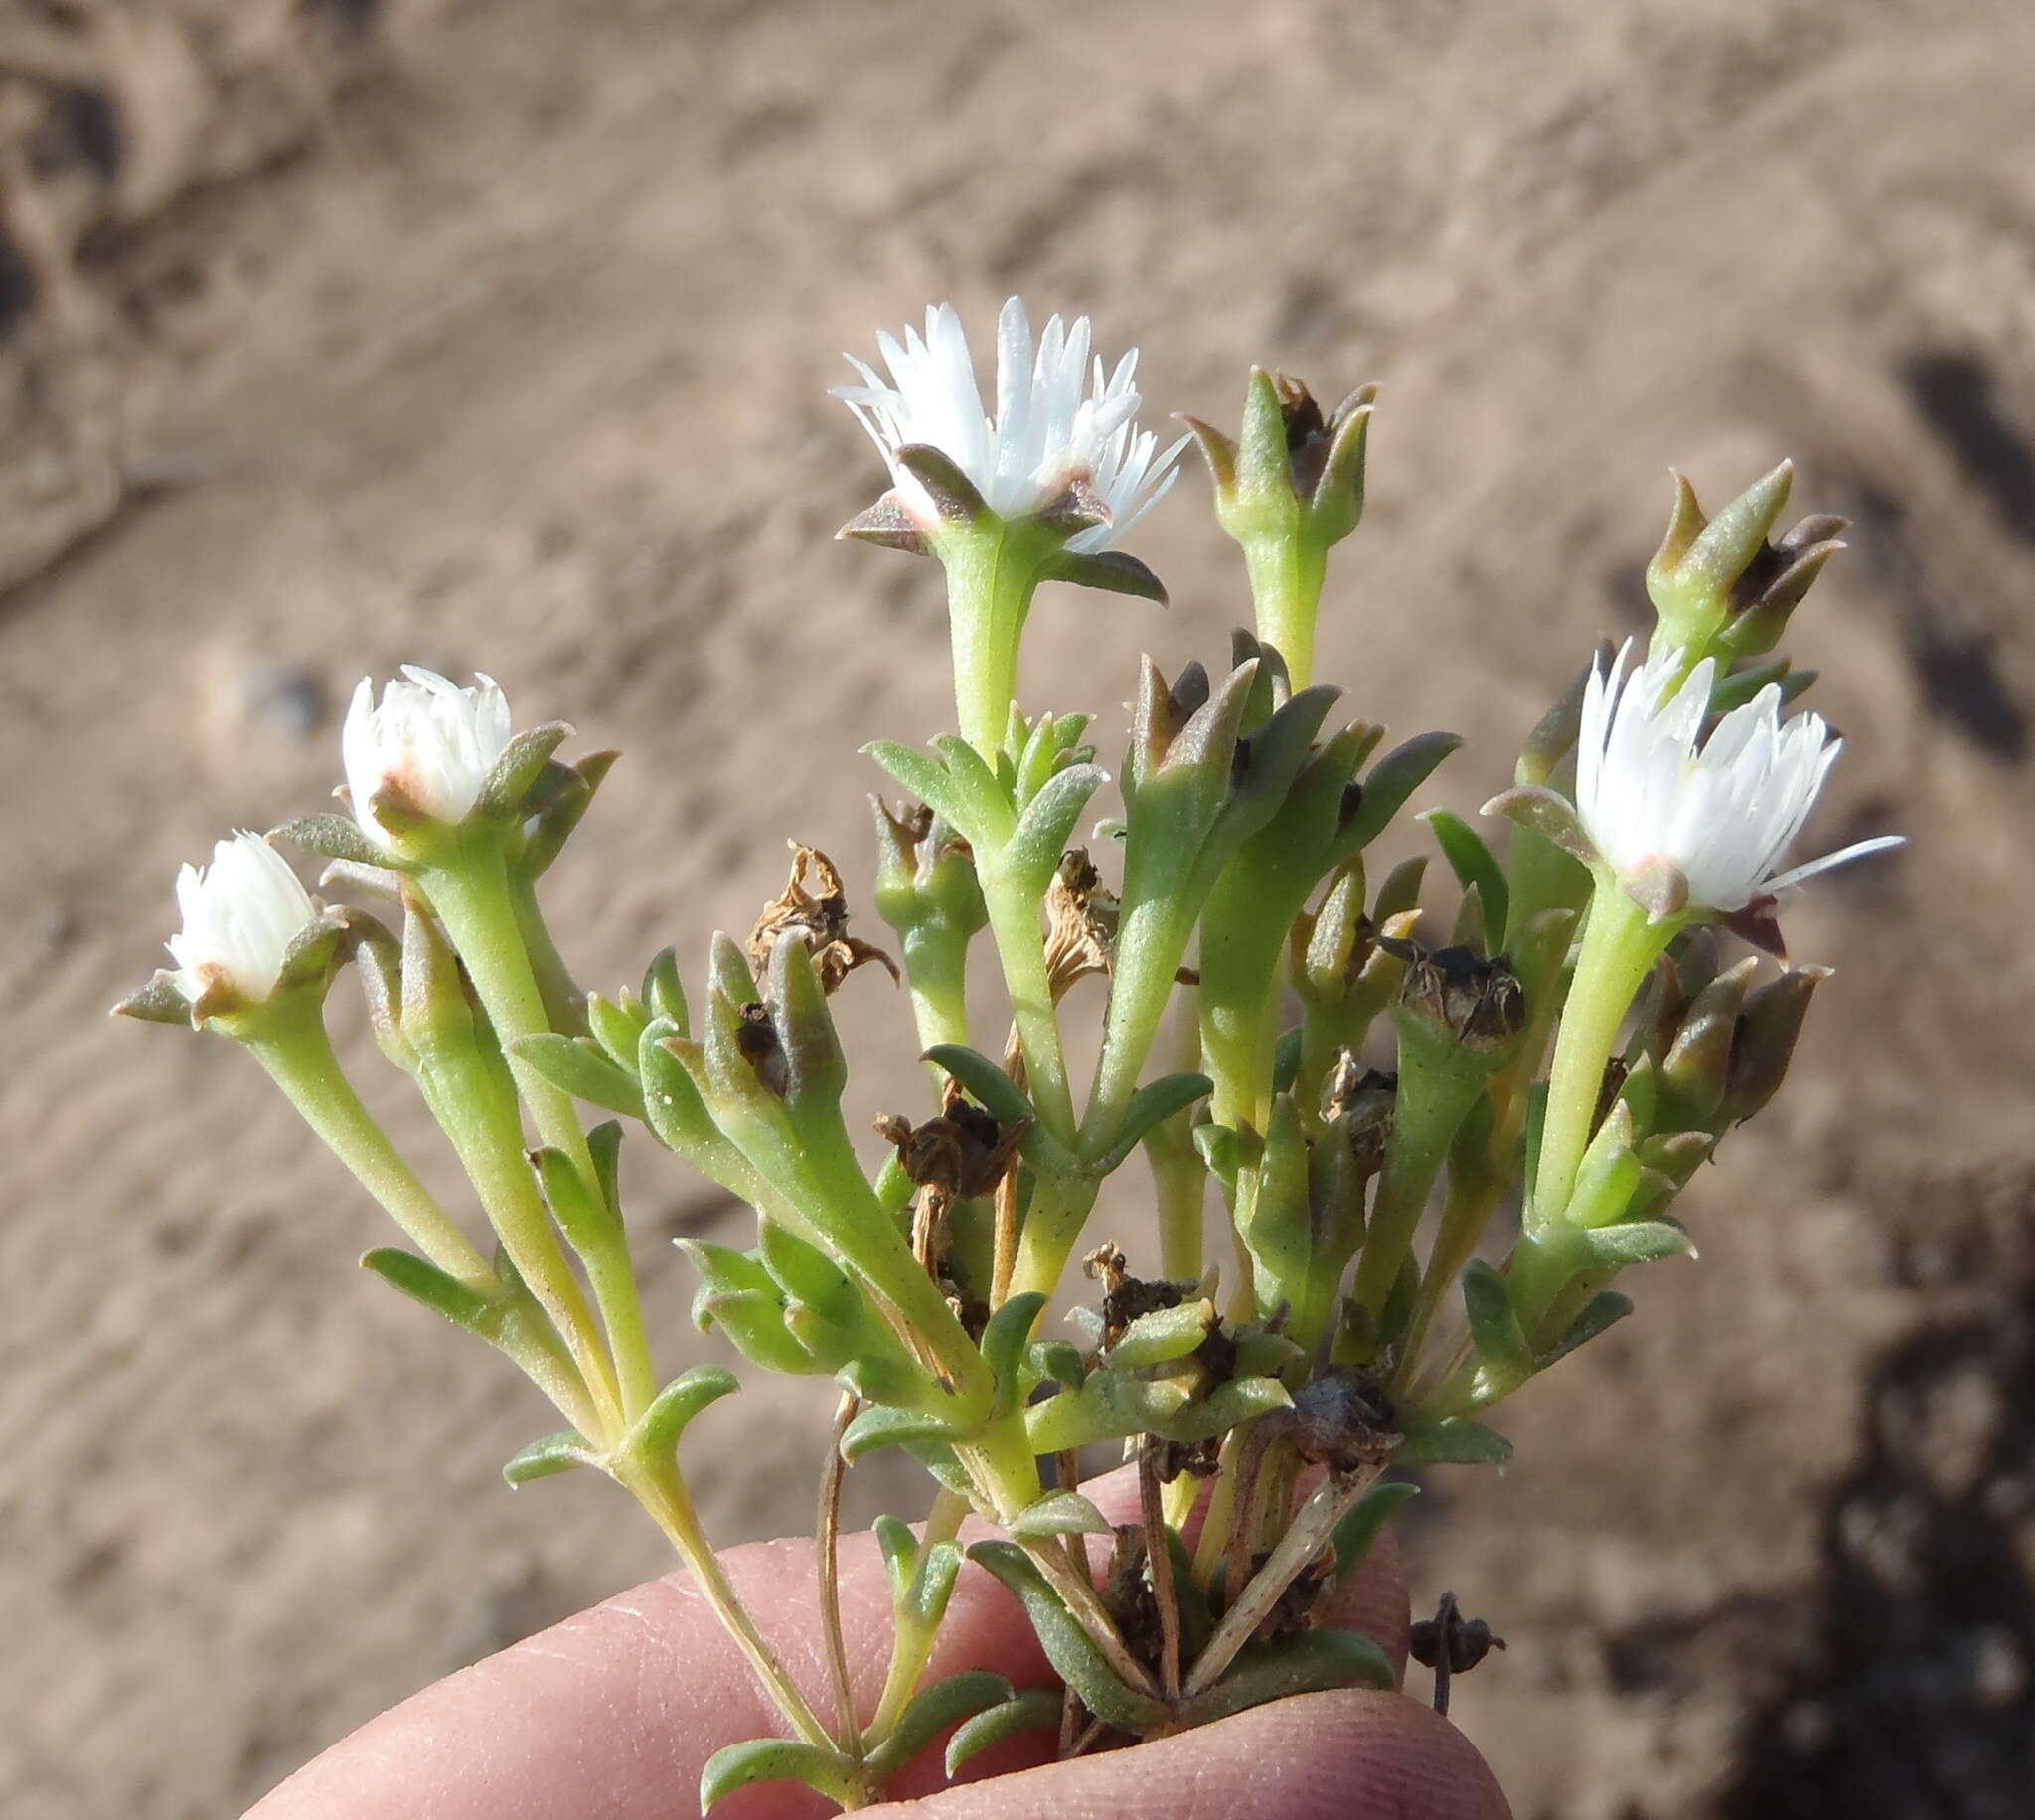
{"x": 335, "y": 334}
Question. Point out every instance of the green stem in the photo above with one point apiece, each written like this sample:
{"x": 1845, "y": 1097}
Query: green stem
{"x": 988, "y": 594}
{"x": 1015, "y": 921}
{"x": 1465, "y": 1212}
{"x": 1435, "y": 1094}
{"x": 1060, "y": 1210}
{"x": 299, "y": 1058}
{"x": 661, "y": 1492}
{"x": 1619, "y": 949}
{"x": 476, "y": 902}
{"x": 1287, "y": 573}
{"x": 1154, "y": 936}
{"x": 473, "y": 1098}
{"x": 912, "y": 1645}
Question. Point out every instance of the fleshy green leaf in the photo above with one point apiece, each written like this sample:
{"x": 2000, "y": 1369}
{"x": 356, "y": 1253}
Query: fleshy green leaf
{"x": 582, "y": 1212}
{"x": 777, "y": 1759}
{"x": 1393, "y": 779}
{"x": 577, "y": 1066}
{"x": 1476, "y": 868}
{"x": 555, "y": 1453}
{"x": 1037, "y": 1708}
{"x": 1359, "y": 1528}
{"x": 1058, "y": 1513}
{"x": 1310, "y": 1663}
{"x": 925, "y": 1599}
{"x": 1004, "y": 1343}
{"x": 1000, "y": 1095}
{"x": 932, "y": 1710}
{"x": 439, "y": 1291}
{"x": 1494, "y": 1327}
{"x": 1152, "y": 1103}
{"x": 1042, "y": 831}
{"x": 1636, "y": 1242}
{"x": 900, "y": 1551}
{"x": 1164, "y": 1335}
{"x": 1604, "y": 1310}
{"x": 1456, "y": 1442}
{"x": 655, "y": 1434}
{"x": 880, "y": 1425}
{"x": 1067, "y": 1645}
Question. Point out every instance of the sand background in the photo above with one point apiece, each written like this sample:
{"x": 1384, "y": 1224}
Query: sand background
{"x": 336, "y": 334}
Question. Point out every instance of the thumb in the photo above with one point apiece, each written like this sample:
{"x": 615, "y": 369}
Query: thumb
{"x": 1318, "y": 1756}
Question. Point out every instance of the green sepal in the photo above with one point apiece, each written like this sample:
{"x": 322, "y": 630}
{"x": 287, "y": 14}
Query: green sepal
{"x": 826, "y": 1773}
{"x": 1361, "y": 1524}
{"x": 815, "y": 1070}
{"x": 522, "y": 761}
{"x": 1476, "y": 868}
{"x": 1110, "y": 571}
{"x": 1400, "y": 892}
{"x": 1058, "y": 1513}
{"x": 1037, "y": 1709}
{"x": 1495, "y": 1330}
{"x": 335, "y": 837}
{"x": 1313, "y": 1662}
{"x": 1067, "y": 1646}
{"x": 1545, "y": 812}
{"x": 159, "y": 1001}
{"x": 1455, "y": 1441}
{"x": 655, "y": 1435}
{"x": 558, "y": 803}
{"x": 932, "y": 1710}
{"x": 1604, "y": 1310}
{"x": 1393, "y": 779}
{"x": 576, "y": 1065}
{"x": 553, "y": 1454}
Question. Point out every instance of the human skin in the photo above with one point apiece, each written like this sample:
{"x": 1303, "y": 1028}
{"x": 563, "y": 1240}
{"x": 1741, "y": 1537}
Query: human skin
{"x": 611, "y": 1714}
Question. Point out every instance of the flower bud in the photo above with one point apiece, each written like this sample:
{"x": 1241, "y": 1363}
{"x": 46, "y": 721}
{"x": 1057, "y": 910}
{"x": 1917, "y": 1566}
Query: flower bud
{"x": 1717, "y": 584}
{"x": 1295, "y": 468}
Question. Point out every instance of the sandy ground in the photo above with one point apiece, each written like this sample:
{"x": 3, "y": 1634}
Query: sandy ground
{"x": 333, "y": 335}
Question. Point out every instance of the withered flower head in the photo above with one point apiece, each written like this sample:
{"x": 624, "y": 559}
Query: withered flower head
{"x": 820, "y": 920}
{"x": 1476, "y": 1001}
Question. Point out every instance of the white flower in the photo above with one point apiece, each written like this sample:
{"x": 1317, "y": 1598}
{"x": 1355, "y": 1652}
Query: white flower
{"x": 431, "y": 744}
{"x": 1722, "y": 814}
{"x": 240, "y": 915}
{"x": 1046, "y": 432}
